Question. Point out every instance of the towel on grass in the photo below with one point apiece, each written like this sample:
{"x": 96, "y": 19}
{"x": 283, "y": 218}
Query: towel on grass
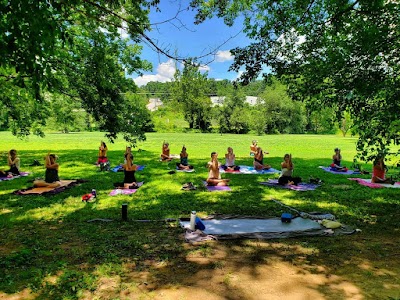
{"x": 120, "y": 168}
{"x": 216, "y": 188}
{"x": 231, "y": 227}
{"x": 172, "y": 156}
{"x": 368, "y": 183}
{"x": 21, "y": 174}
{"x": 330, "y": 170}
{"x": 185, "y": 171}
{"x": 125, "y": 191}
{"x": 300, "y": 187}
{"x": 251, "y": 170}
{"x": 65, "y": 184}
{"x": 196, "y": 236}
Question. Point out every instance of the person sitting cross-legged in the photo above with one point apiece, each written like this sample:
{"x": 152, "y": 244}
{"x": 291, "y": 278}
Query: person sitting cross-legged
{"x": 337, "y": 161}
{"x": 286, "y": 177}
{"x": 129, "y": 174}
{"x": 230, "y": 161}
{"x": 51, "y": 178}
{"x": 259, "y": 160}
{"x": 183, "y": 164}
{"x": 13, "y": 162}
{"x": 214, "y": 176}
{"x": 379, "y": 171}
{"x": 165, "y": 152}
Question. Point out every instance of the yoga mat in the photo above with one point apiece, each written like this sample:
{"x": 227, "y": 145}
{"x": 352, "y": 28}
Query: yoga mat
{"x": 172, "y": 156}
{"x": 251, "y": 170}
{"x": 300, "y": 187}
{"x": 329, "y": 170}
{"x": 249, "y": 227}
{"x": 125, "y": 191}
{"x": 118, "y": 168}
{"x": 21, "y": 174}
{"x": 185, "y": 171}
{"x": 245, "y": 226}
{"x": 368, "y": 183}
{"x": 217, "y": 188}
{"x": 122, "y": 192}
{"x": 43, "y": 190}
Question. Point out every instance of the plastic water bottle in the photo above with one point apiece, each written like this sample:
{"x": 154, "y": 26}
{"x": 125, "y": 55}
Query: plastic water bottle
{"x": 193, "y": 220}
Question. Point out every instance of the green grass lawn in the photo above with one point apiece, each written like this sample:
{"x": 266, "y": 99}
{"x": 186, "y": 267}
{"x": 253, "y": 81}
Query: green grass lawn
{"x": 48, "y": 250}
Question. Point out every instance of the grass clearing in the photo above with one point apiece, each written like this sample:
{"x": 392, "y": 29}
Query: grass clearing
{"x": 48, "y": 250}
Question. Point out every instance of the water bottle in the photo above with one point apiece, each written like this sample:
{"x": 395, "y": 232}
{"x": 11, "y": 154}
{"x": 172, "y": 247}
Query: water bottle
{"x": 193, "y": 220}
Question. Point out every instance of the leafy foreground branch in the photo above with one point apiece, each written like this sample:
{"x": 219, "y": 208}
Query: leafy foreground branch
{"x": 74, "y": 49}
{"x": 341, "y": 54}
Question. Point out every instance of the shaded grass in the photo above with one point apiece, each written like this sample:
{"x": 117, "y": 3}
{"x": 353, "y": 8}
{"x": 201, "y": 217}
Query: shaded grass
{"x": 48, "y": 246}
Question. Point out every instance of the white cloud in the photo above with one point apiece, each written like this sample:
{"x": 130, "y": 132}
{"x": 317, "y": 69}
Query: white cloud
{"x": 123, "y": 32}
{"x": 204, "y": 68}
{"x": 167, "y": 69}
{"x": 223, "y": 56}
{"x": 165, "y": 72}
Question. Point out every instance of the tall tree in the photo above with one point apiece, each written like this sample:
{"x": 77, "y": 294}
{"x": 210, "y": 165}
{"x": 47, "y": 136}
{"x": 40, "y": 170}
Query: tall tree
{"x": 72, "y": 48}
{"x": 233, "y": 115}
{"x": 341, "y": 53}
{"x": 189, "y": 90}
{"x": 282, "y": 114}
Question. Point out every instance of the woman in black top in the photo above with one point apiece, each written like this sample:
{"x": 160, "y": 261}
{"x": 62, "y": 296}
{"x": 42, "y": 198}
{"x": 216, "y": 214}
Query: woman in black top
{"x": 14, "y": 164}
{"x": 51, "y": 176}
{"x": 129, "y": 174}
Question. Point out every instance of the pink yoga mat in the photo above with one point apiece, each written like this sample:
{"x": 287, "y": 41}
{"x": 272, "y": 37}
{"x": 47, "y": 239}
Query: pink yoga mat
{"x": 368, "y": 183}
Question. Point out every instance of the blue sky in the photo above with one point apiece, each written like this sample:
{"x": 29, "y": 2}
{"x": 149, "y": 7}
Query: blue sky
{"x": 180, "y": 35}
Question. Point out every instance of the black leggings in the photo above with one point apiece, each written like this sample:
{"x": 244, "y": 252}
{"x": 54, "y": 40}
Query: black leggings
{"x": 283, "y": 180}
{"x": 235, "y": 168}
{"x": 13, "y": 170}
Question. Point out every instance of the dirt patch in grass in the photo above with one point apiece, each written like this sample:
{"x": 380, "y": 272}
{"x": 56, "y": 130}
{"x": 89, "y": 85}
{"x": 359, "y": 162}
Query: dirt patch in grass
{"x": 223, "y": 275}
{"x": 120, "y": 265}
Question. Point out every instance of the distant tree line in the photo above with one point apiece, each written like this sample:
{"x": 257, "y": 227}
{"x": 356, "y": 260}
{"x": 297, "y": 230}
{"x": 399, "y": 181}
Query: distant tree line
{"x": 66, "y": 115}
{"x": 187, "y": 106}
{"x": 188, "y": 97}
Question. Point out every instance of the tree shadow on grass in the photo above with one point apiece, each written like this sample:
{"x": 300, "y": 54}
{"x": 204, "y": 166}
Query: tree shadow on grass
{"x": 49, "y": 247}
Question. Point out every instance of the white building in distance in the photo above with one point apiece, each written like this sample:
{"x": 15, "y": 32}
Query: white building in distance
{"x": 154, "y": 104}
{"x": 219, "y": 100}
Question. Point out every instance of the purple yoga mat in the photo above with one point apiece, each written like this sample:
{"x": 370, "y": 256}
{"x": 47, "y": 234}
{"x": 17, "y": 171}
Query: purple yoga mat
{"x": 125, "y": 191}
{"x": 122, "y": 192}
{"x": 329, "y": 170}
{"x": 21, "y": 174}
{"x": 217, "y": 188}
{"x": 299, "y": 187}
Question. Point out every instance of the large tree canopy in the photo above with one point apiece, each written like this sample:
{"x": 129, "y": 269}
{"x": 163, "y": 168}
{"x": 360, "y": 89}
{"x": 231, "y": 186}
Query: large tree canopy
{"x": 189, "y": 90}
{"x": 339, "y": 53}
{"x": 72, "y": 48}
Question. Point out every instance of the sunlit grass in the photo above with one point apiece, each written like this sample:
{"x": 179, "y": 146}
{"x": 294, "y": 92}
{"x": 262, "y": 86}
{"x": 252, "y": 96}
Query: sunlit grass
{"x": 50, "y": 237}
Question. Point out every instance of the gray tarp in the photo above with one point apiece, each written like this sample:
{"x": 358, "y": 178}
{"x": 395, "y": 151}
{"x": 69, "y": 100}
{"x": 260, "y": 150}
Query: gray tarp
{"x": 263, "y": 228}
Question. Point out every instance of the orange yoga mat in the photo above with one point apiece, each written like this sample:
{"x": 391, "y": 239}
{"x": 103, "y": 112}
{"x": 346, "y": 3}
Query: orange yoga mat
{"x": 41, "y": 190}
